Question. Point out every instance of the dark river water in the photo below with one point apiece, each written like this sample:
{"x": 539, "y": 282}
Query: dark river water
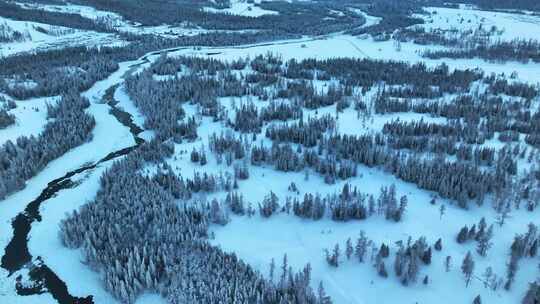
{"x": 16, "y": 254}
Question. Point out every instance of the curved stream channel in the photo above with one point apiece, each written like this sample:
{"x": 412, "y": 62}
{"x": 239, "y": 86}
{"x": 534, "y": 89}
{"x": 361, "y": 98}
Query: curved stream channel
{"x": 16, "y": 254}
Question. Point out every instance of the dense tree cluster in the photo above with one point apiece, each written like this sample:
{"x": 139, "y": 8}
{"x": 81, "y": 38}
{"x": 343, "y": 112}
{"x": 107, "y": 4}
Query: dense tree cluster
{"x": 452, "y": 129}
{"x": 247, "y": 119}
{"x": 472, "y": 119}
{"x": 269, "y": 205}
{"x": 482, "y": 235}
{"x": 285, "y": 158}
{"x": 159, "y": 103}
{"x": 524, "y": 245}
{"x": 408, "y": 258}
{"x": 459, "y": 181}
{"x": 515, "y": 88}
{"x": 351, "y": 204}
{"x": 281, "y": 111}
{"x": 55, "y": 71}
{"x": 394, "y": 14}
{"x": 11, "y": 10}
{"x": 422, "y": 36}
{"x": 6, "y": 118}
{"x": 183, "y": 188}
{"x": 148, "y": 243}
{"x": 423, "y": 91}
{"x": 305, "y": 133}
{"x": 368, "y": 72}
{"x": 481, "y": 115}
{"x": 293, "y": 17}
{"x": 7, "y": 34}
{"x": 533, "y": 294}
{"x": 502, "y": 4}
{"x": 228, "y": 144}
{"x": 69, "y": 127}
{"x": 517, "y": 50}
{"x": 312, "y": 98}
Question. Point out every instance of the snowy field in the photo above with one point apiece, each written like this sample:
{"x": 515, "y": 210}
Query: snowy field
{"x": 107, "y": 136}
{"x": 39, "y": 36}
{"x": 337, "y": 46}
{"x": 370, "y": 20}
{"x": 30, "y": 118}
{"x": 116, "y": 21}
{"x": 510, "y": 26}
{"x": 242, "y": 8}
{"x": 258, "y": 240}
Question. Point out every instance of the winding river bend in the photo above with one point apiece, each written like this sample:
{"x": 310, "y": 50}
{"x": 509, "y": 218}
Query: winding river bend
{"x": 16, "y": 254}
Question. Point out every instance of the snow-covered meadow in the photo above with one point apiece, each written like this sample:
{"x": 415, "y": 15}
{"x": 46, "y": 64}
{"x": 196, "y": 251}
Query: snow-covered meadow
{"x": 30, "y": 118}
{"x": 258, "y": 240}
{"x": 339, "y": 46}
{"x": 242, "y": 8}
{"x": 118, "y": 22}
{"x": 255, "y": 239}
{"x": 508, "y": 26}
{"x": 39, "y": 36}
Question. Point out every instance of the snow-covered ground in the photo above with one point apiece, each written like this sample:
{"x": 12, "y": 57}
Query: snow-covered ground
{"x": 242, "y": 8}
{"x": 511, "y": 26}
{"x": 257, "y": 240}
{"x": 107, "y": 136}
{"x": 85, "y": 11}
{"x": 44, "y": 241}
{"x": 126, "y": 104}
{"x": 370, "y": 20}
{"x": 116, "y": 21}
{"x": 39, "y": 36}
{"x": 8, "y": 294}
{"x": 54, "y": 37}
{"x": 336, "y": 46}
{"x": 30, "y": 118}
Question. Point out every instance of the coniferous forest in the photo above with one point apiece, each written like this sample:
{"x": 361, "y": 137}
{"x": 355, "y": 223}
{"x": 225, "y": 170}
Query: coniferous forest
{"x": 235, "y": 151}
